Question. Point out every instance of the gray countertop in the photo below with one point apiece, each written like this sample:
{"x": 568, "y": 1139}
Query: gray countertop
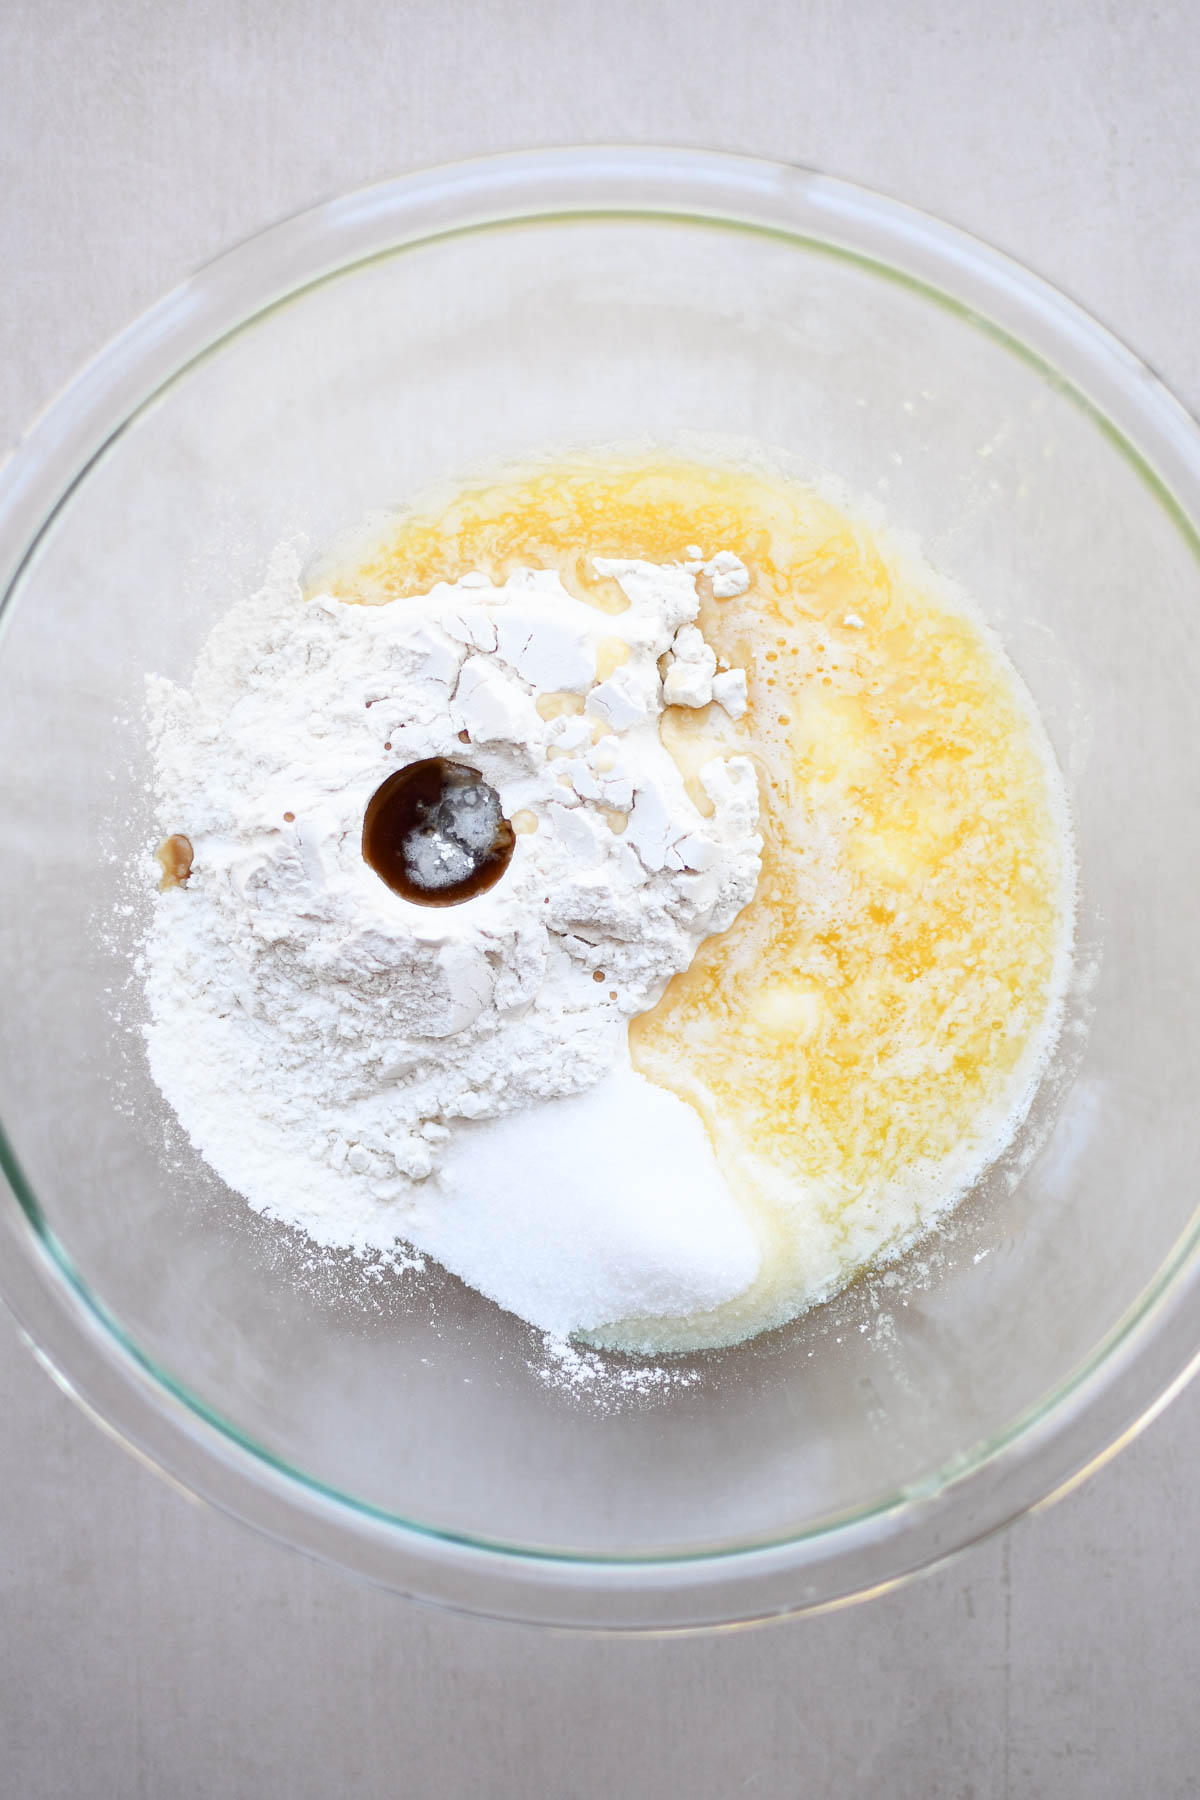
{"x": 149, "y": 1648}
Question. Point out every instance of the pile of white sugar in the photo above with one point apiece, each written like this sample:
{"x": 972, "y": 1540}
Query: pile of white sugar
{"x": 382, "y": 1074}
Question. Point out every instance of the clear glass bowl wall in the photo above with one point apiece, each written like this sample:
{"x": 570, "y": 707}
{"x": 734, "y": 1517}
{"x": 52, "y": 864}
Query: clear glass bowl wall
{"x": 409, "y": 1432}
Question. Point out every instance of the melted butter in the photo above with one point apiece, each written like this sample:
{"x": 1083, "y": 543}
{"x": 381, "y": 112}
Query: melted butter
{"x": 557, "y": 706}
{"x": 857, "y": 1042}
{"x": 611, "y": 654}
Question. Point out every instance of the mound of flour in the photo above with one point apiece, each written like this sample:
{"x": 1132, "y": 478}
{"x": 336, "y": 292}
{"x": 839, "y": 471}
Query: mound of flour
{"x": 335, "y": 1052}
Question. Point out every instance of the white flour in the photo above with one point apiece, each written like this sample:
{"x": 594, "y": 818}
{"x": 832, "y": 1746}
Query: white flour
{"x": 336, "y": 1052}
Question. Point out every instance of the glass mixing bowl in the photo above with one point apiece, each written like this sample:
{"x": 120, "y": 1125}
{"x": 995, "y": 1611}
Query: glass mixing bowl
{"x": 328, "y": 369}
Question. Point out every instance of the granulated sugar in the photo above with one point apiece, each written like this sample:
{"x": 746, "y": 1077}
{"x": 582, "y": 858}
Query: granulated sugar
{"x": 602, "y": 1206}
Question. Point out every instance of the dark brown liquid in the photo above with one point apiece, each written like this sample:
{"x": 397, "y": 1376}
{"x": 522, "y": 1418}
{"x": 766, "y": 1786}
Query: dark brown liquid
{"x": 435, "y": 833}
{"x": 175, "y": 860}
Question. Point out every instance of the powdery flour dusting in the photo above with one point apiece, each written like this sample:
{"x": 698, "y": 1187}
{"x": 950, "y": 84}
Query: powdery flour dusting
{"x": 382, "y": 1074}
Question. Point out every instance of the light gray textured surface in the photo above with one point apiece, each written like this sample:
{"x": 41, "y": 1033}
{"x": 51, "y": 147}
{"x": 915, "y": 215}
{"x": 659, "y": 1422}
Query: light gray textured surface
{"x": 148, "y": 1648}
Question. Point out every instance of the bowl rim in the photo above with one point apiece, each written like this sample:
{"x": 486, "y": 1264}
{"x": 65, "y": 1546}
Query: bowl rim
{"x": 1135, "y": 1369}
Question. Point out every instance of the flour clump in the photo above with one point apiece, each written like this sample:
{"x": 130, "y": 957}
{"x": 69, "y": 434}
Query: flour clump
{"x": 321, "y": 1038}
